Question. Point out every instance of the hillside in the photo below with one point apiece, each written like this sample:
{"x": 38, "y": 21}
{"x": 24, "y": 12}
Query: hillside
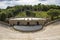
{"x": 39, "y": 10}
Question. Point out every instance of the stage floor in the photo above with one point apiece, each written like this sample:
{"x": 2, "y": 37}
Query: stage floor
{"x": 28, "y": 28}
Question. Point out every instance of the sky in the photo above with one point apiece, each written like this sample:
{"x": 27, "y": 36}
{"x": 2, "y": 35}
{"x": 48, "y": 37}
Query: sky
{"x": 5, "y": 3}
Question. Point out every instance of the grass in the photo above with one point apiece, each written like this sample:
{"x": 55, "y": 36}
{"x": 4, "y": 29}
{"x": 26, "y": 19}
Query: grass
{"x": 41, "y": 14}
{"x": 21, "y": 14}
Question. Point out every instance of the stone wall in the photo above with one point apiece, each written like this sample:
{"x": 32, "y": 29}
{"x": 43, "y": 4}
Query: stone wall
{"x": 24, "y": 22}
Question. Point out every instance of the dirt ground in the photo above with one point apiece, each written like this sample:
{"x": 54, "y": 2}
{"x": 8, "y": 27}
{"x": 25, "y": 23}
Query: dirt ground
{"x": 51, "y": 32}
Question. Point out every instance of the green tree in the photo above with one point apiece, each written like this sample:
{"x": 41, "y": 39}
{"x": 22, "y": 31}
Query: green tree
{"x": 3, "y": 17}
{"x": 53, "y": 13}
{"x": 9, "y": 15}
{"x": 30, "y": 14}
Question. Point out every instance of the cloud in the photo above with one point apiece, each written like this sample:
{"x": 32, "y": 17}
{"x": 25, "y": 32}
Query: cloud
{"x": 9, "y": 0}
{"x": 42, "y": 0}
{"x": 5, "y": 3}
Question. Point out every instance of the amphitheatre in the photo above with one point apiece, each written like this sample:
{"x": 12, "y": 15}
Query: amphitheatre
{"x": 30, "y": 29}
{"x": 27, "y": 22}
{"x": 50, "y": 32}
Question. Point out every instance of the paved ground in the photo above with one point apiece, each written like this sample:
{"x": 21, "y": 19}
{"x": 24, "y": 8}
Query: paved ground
{"x": 51, "y": 32}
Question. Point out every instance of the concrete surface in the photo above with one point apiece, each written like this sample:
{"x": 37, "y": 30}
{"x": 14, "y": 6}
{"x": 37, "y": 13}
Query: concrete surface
{"x": 51, "y": 32}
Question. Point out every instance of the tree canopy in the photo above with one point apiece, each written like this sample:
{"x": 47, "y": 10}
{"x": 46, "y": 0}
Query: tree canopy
{"x": 53, "y": 11}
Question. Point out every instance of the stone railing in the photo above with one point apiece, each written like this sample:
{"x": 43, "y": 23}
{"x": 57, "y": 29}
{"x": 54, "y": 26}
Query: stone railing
{"x": 4, "y": 23}
{"x": 50, "y": 22}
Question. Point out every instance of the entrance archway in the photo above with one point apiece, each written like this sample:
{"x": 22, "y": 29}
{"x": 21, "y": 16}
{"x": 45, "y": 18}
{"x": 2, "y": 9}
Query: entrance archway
{"x": 28, "y": 23}
{"x": 18, "y": 23}
{"x": 37, "y": 23}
